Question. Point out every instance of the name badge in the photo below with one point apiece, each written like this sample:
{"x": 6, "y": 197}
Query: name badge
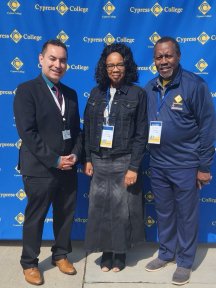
{"x": 66, "y": 134}
{"x": 155, "y": 132}
{"x": 107, "y": 136}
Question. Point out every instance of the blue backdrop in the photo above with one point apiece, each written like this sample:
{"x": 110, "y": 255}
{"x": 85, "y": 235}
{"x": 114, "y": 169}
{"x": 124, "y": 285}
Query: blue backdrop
{"x": 85, "y": 26}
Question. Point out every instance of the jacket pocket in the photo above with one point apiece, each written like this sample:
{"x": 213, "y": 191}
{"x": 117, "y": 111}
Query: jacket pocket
{"x": 126, "y": 122}
{"x": 128, "y": 109}
{"x": 91, "y": 107}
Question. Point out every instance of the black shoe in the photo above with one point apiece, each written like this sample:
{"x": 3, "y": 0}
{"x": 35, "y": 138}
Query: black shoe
{"x": 106, "y": 261}
{"x": 119, "y": 262}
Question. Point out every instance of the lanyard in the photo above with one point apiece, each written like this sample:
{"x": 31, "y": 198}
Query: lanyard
{"x": 62, "y": 109}
{"x": 107, "y": 106}
{"x": 160, "y": 102}
{"x": 108, "y": 99}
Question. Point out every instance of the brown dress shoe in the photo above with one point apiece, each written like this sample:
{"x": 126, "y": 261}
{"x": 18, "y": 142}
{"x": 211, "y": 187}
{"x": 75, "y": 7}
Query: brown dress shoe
{"x": 65, "y": 266}
{"x": 33, "y": 276}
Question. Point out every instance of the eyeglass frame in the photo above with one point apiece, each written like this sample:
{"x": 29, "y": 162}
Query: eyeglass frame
{"x": 119, "y": 66}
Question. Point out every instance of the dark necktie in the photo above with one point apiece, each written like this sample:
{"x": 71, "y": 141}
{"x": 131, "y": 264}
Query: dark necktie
{"x": 58, "y": 94}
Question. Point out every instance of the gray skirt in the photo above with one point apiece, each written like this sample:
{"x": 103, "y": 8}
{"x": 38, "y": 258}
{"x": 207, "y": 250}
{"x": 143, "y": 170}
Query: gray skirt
{"x": 115, "y": 217}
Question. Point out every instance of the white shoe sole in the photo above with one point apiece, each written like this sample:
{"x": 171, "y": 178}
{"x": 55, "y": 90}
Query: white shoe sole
{"x": 180, "y": 283}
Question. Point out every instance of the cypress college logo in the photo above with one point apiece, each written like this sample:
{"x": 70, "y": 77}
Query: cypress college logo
{"x": 21, "y": 195}
{"x": 62, "y": 36}
{"x": 154, "y": 37}
{"x": 17, "y": 64}
{"x": 17, "y": 171}
{"x": 153, "y": 68}
{"x": 108, "y": 39}
{"x": 149, "y": 221}
{"x": 7, "y": 92}
{"x": 201, "y": 65}
{"x": 203, "y": 38}
{"x": 149, "y": 196}
{"x": 109, "y": 8}
{"x": 16, "y": 36}
{"x": 18, "y": 144}
{"x": 20, "y": 218}
{"x": 61, "y": 8}
{"x": 14, "y": 6}
{"x": 11, "y": 144}
{"x": 156, "y": 9}
{"x": 204, "y": 8}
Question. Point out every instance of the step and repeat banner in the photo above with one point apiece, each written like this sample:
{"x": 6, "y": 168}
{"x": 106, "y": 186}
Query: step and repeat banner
{"x": 85, "y": 26}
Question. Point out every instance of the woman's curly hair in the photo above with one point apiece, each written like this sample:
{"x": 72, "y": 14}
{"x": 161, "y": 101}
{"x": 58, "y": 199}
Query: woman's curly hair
{"x": 131, "y": 73}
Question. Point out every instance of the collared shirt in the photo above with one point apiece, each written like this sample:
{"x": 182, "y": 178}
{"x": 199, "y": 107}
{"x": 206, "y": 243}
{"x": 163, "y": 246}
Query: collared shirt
{"x": 50, "y": 85}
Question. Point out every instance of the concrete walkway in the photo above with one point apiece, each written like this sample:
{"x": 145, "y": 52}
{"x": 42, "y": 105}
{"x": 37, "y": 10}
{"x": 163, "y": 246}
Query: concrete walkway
{"x": 89, "y": 273}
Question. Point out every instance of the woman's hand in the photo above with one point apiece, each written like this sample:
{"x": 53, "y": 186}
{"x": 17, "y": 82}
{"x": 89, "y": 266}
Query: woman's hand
{"x": 130, "y": 178}
{"x": 88, "y": 169}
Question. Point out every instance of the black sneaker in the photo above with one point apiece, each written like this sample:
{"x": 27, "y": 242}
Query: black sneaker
{"x": 156, "y": 265}
{"x": 181, "y": 276}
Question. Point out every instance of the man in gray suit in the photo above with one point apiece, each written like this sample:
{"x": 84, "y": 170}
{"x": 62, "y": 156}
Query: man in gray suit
{"x": 47, "y": 119}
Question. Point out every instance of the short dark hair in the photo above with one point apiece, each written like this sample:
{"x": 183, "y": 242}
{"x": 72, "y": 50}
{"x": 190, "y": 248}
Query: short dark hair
{"x": 131, "y": 73}
{"x": 55, "y": 42}
{"x": 169, "y": 39}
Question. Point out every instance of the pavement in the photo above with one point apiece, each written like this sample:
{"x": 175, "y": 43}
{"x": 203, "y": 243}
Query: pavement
{"x": 90, "y": 276}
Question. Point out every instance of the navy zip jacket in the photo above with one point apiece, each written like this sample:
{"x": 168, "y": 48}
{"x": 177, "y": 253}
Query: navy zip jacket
{"x": 188, "y": 122}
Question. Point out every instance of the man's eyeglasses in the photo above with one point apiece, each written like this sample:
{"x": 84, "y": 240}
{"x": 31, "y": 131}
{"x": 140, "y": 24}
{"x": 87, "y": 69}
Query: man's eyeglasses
{"x": 119, "y": 66}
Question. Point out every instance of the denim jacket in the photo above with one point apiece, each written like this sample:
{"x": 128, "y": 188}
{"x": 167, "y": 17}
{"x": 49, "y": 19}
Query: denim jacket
{"x": 128, "y": 115}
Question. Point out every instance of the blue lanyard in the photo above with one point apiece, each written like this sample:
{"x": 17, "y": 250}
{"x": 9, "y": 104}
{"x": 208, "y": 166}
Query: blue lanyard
{"x": 160, "y": 102}
{"x": 108, "y": 100}
{"x": 108, "y": 105}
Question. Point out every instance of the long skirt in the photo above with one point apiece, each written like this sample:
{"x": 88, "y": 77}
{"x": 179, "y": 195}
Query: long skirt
{"x": 115, "y": 218}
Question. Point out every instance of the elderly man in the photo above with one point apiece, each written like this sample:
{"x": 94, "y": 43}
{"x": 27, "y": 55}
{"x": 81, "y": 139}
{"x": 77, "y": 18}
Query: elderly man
{"x": 47, "y": 119}
{"x": 181, "y": 136}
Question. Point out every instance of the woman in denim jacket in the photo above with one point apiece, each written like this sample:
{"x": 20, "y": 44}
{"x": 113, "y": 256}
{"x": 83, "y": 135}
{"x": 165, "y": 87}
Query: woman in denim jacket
{"x": 115, "y": 130}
